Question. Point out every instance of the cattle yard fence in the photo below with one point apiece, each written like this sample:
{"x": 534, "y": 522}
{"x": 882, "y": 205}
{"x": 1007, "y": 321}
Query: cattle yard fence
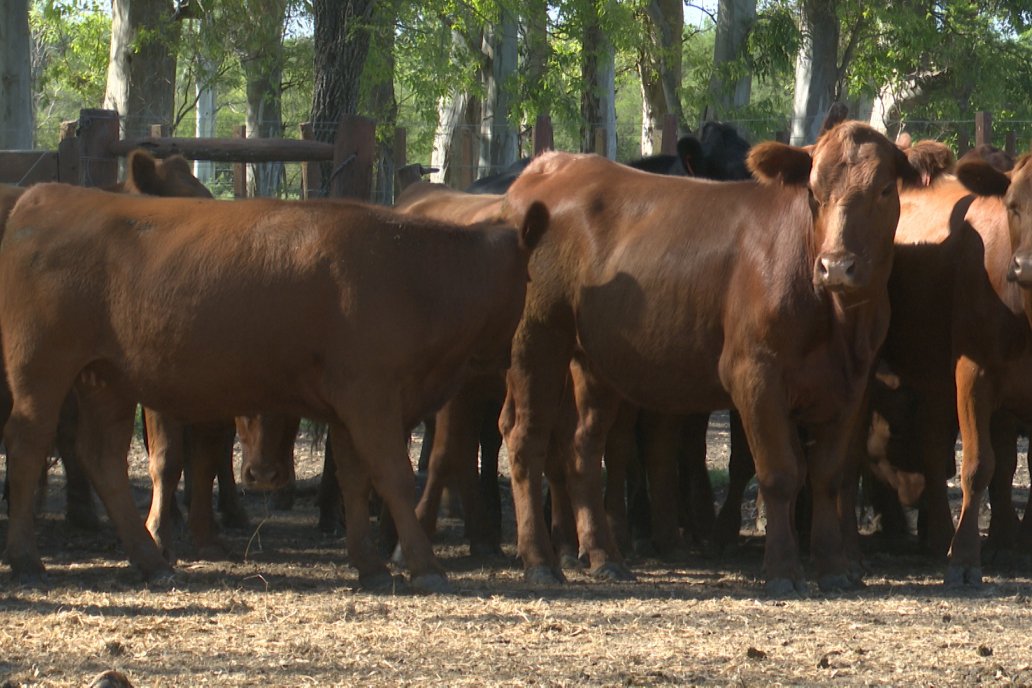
{"x": 89, "y": 149}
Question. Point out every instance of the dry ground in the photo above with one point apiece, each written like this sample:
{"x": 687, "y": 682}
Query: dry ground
{"x": 286, "y": 613}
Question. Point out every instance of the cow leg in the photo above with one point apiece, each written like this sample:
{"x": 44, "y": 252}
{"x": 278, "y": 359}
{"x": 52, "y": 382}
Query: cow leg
{"x": 79, "y": 508}
{"x": 563, "y": 526}
{"x": 741, "y": 470}
{"x": 354, "y": 487}
{"x": 826, "y": 464}
{"x": 597, "y": 407}
{"x": 659, "y": 448}
{"x": 229, "y": 504}
{"x": 1004, "y": 523}
{"x": 619, "y": 454}
{"x": 848, "y": 499}
{"x": 105, "y": 431}
{"x": 691, "y": 461}
{"x": 975, "y": 399}
{"x": 936, "y": 440}
{"x": 536, "y": 381}
{"x": 28, "y": 436}
{"x": 380, "y": 445}
{"x": 780, "y": 470}
{"x": 165, "y": 464}
{"x": 487, "y": 539}
{"x": 329, "y": 497}
{"x": 205, "y": 445}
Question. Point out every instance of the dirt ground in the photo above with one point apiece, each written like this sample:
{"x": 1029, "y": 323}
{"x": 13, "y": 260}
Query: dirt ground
{"x": 286, "y": 612}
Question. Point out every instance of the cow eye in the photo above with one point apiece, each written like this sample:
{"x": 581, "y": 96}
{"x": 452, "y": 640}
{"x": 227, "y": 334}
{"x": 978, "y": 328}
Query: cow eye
{"x": 887, "y": 191}
{"x": 1014, "y": 209}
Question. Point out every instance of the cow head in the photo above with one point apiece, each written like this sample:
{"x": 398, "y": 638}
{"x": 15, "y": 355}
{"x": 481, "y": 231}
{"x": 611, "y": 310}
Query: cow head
{"x": 1015, "y": 189}
{"x": 267, "y": 448}
{"x": 851, "y": 174}
{"x": 172, "y": 176}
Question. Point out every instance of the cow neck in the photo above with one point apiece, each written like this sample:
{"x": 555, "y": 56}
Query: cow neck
{"x": 858, "y": 325}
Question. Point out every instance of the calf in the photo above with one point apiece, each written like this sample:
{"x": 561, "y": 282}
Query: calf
{"x": 208, "y": 310}
{"x": 687, "y": 296}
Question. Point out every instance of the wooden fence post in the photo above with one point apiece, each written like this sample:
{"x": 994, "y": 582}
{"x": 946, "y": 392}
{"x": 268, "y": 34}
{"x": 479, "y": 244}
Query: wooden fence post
{"x": 983, "y": 128}
{"x": 311, "y": 172}
{"x": 599, "y": 144}
{"x": 668, "y": 143}
{"x": 68, "y": 171}
{"x": 963, "y": 142}
{"x": 353, "y": 155}
{"x": 239, "y": 168}
{"x": 98, "y": 129}
{"x": 543, "y": 135}
{"x": 160, "y": 130}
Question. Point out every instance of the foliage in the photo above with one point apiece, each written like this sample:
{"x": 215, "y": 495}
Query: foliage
{"x": 70, "y": 41}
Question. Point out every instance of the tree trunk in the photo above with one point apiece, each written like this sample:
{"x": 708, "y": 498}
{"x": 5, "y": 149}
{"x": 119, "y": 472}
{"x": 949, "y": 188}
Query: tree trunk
{"x": 262, "y": 61}
{"x": 498, "y": 140}
{"x": 205, "y": 128}
{"x": 816, "y": 69}
{"x": 458, "y": 117}
{"x": 379, "y": 101}
{"x": 659, "y": 66}
{"x": 16, "y": 127}
{"x": 735, "y": 19}
{"x": 535, "y": 65}
{"x": 141, "y": 78}
{"x": 598, "y": 75}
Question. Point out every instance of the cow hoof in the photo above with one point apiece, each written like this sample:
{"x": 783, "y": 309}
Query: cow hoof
{"x": 613, "y": 571}
{"x": 839, "y": 582}
{"x": 381, "y": 581}
{"x": 162, "y": 578}
{"x": 432, "y": 583}
{"x": 784, "y": 587}
{"x": 398, "y": 557}
{"x": 571, "y": 562}
{"x": 963, "y": 576}
{"x": 543, "y": 575}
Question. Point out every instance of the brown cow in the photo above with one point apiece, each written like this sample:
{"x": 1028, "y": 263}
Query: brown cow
{"x": 687, "y": 296}
{"x": 459, "y": 426}
{"x": 207, "y": 310}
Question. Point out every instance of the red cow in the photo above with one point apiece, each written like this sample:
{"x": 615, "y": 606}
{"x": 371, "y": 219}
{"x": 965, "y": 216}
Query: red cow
{"x": 208, "y": 310}
{"x": 687, "y": 296}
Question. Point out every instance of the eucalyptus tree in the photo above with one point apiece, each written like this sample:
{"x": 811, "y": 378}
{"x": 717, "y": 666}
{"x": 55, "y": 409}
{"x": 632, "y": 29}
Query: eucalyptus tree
{"x": 141, "y": 75}
{"x": 16, "y": 112}
{"x": 659, "y": 67}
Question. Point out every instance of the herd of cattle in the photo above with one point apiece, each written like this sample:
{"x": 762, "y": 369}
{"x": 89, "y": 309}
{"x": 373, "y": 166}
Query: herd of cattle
{"x": 855, "y": 303}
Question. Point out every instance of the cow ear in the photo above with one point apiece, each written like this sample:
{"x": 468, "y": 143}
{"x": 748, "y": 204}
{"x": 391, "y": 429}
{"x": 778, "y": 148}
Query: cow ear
{"x": 905, "y": 171}
{"x": 772, "y": 161}
{"x": 982, "y": 178}
{"x": 535, "y": 222}
{"x": 142, "y": 172}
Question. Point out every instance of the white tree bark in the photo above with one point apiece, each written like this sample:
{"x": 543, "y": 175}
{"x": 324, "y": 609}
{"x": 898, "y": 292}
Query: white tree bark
{"x": 816, "y": 69}
{"x": 451, "y": 113}
{"x": 659, "y": 68}
{"x": 16, "y": 116}
{"x": 141, "y": 75}
{"x": 734, "y": 20}
{"x": 498, "y": 140}
{"x": 598, "y": 73}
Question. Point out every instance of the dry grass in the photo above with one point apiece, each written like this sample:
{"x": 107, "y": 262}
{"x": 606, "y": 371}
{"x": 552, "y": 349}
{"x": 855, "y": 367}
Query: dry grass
{"x": 288, "y": 615}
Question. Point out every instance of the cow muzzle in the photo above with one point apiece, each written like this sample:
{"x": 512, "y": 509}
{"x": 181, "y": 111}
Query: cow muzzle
{"x": 264, "y": 478}
{"x": 839, "y": 271}
{"x": 1021, "y": 270}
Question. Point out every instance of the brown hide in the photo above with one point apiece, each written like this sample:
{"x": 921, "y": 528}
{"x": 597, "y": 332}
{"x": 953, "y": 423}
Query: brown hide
{"x": 688, "y": 296}
{"x": 958, "y": 340}
{"x": 207, "y": 310}
{"x": 461, "y": 423}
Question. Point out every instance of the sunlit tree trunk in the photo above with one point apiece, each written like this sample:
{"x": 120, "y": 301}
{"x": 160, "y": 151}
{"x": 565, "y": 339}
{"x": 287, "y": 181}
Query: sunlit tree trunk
{"x": 734, "y": 21}
{"x": 262, "y": 61}
{"x": 141, "y": 78}
{"x": 16, "y": 128}
{"x": 659, "y": 68}
{"x": 598, "y": 76}
{"x": 498, "y": 141}
{"x": 816, "y": 69}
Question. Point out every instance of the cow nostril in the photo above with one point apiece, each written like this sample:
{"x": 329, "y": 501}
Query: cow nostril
{"x": 822, "y": 267}
{"x": 850, "y": 269}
